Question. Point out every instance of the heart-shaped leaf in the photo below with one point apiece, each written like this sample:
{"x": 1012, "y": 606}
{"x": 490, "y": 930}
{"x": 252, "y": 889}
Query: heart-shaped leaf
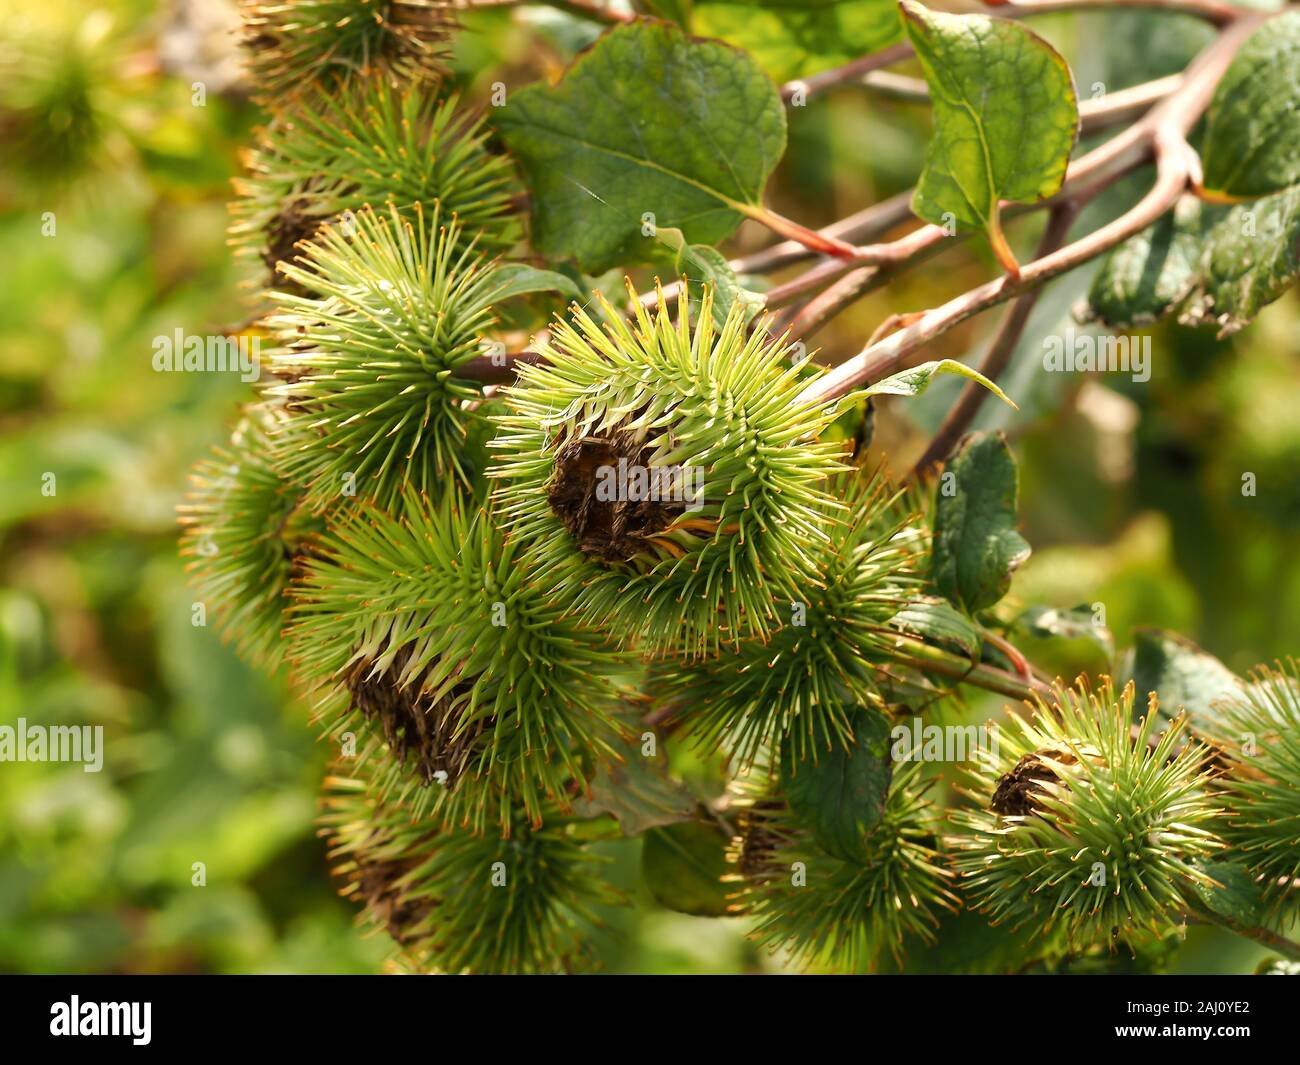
{"x": 1005, "y": 119}
{"x": 1234, "y": 895}
{"x": 648, "y": 129}
{"x": 1251, "y": 256}
{"x": 937, "y": 621}
{"x": 1142, "y": 279}
{"x": 1210, "y": 264}
{"x": 520, "y": 279}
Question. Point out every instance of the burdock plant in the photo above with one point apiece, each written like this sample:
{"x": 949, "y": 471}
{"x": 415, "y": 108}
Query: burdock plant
{"x": 370, "y": 144}
{"x": 1259, "y": 735}
{"x": 297, "y": 43}
{"x": 1086, "y": 820}
{"x": 246, "y": 531}
{"x": 369, "y": 359}
{"x": 697, "y": 567}
{"x": 425, "y": 629}
{"x": 454, "y": 901}
{"x": 574, "y": 544}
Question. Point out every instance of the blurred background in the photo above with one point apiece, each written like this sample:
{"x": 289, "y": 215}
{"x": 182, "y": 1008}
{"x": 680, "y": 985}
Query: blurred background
{"x": 114, "y": 182}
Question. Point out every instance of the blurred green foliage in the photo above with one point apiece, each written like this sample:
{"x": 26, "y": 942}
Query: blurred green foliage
{"x": 1131, "y": 494}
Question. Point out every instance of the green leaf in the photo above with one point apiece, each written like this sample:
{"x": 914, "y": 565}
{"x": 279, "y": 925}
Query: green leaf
{"x": 1211, "y": 264}
{"x": 1065, "y": 643}
{"x": 683, "y": 866}
{"x": 702, "y": 265}
{"x": 1235, "y": 896}
{"x": 976, "y": 546}
{"x": 1251, "y": 256}
{"x": 638, "y": 791}
{"x": 1252, "y": 132}
{"x": 520, "y": 279}
{"x": 914, "y": 381}
{"x": 840, "y": 794}
{"x": 795, "y": 38}
{"x": 1147, "y": 275}
{"x": 1183, "y": 677}
{"x": 648, "y": 129}
{"x": 937, "y": 621}
{"x": 1005, "y": 116}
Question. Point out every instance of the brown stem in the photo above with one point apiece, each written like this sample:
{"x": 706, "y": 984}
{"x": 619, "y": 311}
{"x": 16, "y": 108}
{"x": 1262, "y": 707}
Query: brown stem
{"x": 807, "y": 87}
{"x": 1164, "y": 130}
{"x": 887, "y": 259}
{"x": 1211, "y": 10}
{"x": 999, "y": 353}
{"x": 1286, "y": 947}
{"x": 1220, "y": 14}
{"x": 487, "y": 370}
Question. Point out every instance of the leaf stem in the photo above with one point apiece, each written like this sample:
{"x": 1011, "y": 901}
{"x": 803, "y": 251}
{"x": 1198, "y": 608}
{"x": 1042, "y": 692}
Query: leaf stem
{"x": 822, "y": 243}
{"x": 1001, "y": 249}
{"x": 918, "y": 653}
{"x": 887, "y": 260}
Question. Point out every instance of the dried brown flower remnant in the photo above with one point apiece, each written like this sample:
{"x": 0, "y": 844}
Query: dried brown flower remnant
{"x": 415, "y": 724}
{"x": 283, "y": 234}
{"x": 377, "y": 882}
{"x": 613, "y": 530}
{"x": 1016, "y": 794}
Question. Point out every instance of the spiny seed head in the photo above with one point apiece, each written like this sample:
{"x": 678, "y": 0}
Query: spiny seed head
{"x": 367, "y": 362}
{"x": 427, "y": 640}
{"x": 454, "y": 902}
{"x": 245, "y": 532}
{"x": 371, "y": 144}
{"x": 824, "y": 910}
{"x": 666, "y": 476}
{"x": 325, "y": 43}
{"x": 1087, "y": 822}
{"x": 1258, "y": 733}
{"x": 827, "y": 651}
